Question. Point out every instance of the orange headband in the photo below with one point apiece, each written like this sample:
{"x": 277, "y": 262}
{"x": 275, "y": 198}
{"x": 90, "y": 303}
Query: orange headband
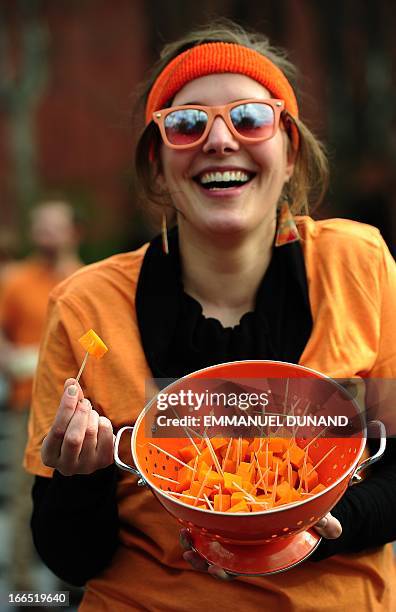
{"x": 215, "y": 58}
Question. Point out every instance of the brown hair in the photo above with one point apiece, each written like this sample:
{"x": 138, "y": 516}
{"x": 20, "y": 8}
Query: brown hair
{"x": 308, "y": 184}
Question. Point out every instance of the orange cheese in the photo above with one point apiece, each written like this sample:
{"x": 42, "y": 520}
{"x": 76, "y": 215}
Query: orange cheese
{"x": 93, "y": 344}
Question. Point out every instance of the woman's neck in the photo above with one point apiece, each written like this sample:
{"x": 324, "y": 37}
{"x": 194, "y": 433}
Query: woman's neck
{"x": 223, "y": 275}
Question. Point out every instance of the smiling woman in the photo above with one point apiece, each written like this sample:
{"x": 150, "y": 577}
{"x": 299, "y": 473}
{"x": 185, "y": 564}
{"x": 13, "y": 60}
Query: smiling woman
{"x": 242, "y": 275}
{"x": 261, "y": 63}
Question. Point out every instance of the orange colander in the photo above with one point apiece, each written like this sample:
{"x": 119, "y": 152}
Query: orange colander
{"x": 273, "y": 540}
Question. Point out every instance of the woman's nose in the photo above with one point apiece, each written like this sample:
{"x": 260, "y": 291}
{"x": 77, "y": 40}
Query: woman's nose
{"x": 220, "y": 139}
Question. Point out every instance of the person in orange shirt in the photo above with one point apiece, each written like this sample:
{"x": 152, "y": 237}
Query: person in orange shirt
{"x": 23, "y": 306}
{"x": 8, "y": 250}
{"x": 244, "y": 274}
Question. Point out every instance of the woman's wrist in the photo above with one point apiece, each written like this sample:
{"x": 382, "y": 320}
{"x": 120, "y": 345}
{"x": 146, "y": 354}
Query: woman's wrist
{"x": 83, "y": 489}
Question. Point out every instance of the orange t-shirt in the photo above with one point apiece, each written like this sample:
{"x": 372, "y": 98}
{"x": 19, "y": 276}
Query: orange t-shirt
{"x": 23, "y": 308}
{"x": 352, "y": 287}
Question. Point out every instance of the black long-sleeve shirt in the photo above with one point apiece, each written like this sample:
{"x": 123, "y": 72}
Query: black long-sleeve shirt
{"x": 75, "y": 523}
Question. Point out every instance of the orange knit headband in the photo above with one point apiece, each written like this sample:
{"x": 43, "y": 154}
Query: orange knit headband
{"x": 215, "y": 58}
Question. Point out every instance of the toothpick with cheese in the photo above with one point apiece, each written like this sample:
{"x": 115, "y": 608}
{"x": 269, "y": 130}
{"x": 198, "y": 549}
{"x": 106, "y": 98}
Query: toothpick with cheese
{"x": 94, "y": 346}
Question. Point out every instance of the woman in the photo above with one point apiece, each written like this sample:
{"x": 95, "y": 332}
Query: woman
{"x": 242, "y": 279}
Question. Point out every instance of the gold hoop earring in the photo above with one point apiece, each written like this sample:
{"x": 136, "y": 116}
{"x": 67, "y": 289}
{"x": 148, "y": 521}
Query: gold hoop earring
{"x": 164, "y": 233}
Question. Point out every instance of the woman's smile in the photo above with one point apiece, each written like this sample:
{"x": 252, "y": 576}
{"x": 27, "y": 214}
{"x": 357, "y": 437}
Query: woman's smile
{"x": 224, "y": 181}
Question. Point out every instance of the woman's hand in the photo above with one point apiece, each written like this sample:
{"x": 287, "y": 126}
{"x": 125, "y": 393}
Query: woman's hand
{"x": 79, "y": 441}
{"x": 198, "y": 562}
{"x": 328, "y": 527}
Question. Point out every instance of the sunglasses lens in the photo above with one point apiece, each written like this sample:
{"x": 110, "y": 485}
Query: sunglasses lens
{"x": 184, "y": 127}
{"x": 253, "y": 120}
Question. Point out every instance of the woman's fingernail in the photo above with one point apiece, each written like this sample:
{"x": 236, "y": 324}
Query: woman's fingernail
{"x": 184, "y": 543}
{"x": 185, "y": 539}
{"x": 72, "y": 390}
{"x": 323, "y": 522}
{"x": 219, "y": 573}
{"x": 195, "y": 561}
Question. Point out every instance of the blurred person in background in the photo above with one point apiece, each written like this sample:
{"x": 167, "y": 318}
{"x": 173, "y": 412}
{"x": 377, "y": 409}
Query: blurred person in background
{"x": 8, "y": 250}
{"x": 24, "y": 295}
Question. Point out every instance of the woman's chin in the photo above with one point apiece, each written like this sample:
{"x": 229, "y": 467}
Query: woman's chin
{"x": 226, "y": 227}
{"x": 224, "y": 221}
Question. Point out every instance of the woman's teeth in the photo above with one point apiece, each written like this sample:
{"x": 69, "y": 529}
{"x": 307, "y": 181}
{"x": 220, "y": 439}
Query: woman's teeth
{"x": 223, "y": 180}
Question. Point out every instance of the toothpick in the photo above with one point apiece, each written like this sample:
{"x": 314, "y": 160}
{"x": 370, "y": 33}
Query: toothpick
{"x": 203, "y": 483}
{"x": 262, "y": 426}
{"x": 262, "y": 478}
{"x": 227, "y": 452}
{"x": 260, "y": 503}
{"x": 185, "y": 429}
{"x": 293, "y": 407}
{"x": 295, "y": 430}
{"x": 321, "y": 461}
{"x": 303, "y": 473}
{"x": 184, "y": 495}
{"x": 214, "y": 456}
{"x": 289, "y": 468}
{"x": 316, "y": 437}
{"x": 81, "y": 370}
{"x": 244, "y": 491}
{"x": 258, "y": 483}
{"x": 165, "y": 478}
{"x": 286, "y": 394}
{"x": 194, "y": 468}
{"x": 170, "y": 455}
{"x": 284, "y": 407}
{"x": 205, "y": 431}
{"x": 196, "y": 433}
{"x": 208, "y": 501}
{"x": 238, "y": 459}
{"x": 275, "y": 485}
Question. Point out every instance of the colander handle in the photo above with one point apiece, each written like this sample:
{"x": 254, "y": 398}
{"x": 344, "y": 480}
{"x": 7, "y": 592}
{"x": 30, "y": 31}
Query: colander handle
{"x": 119, "y": 462}
{"x": 365, "y": 464}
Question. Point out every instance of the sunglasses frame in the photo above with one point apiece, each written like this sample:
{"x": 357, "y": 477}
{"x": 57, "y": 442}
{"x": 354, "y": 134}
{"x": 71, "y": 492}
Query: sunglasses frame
{"x": 218, "y": 111}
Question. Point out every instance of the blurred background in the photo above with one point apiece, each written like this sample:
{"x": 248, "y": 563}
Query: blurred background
{"x": 68, "y": 75}
{"x": 69, "y": 70}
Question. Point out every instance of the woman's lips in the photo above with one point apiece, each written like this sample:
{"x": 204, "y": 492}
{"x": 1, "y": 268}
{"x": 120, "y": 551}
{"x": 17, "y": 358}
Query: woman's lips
{"x": 224, "y": 192}
{"x": 223, "y": 182}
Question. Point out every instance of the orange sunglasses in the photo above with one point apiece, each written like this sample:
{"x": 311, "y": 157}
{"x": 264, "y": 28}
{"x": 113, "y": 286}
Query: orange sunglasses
{"x": 249, "y": 121}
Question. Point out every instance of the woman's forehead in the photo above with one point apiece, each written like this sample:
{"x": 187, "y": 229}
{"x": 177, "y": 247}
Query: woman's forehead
{"x": 221, "y": 88}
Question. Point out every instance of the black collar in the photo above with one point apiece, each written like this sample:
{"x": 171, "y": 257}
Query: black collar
{"x": 177, "y": 339}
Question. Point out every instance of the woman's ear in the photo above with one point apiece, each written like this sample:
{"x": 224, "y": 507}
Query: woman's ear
{"x": 291, "y": 160}
{"x": 160, "y": 180}
{"x": 292, "y": 151}
{"x": 159, "y": 176}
